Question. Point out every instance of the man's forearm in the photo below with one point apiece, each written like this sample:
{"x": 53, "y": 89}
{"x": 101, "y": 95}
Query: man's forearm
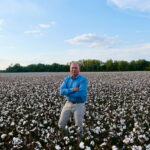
{"x": 68, "y": 91}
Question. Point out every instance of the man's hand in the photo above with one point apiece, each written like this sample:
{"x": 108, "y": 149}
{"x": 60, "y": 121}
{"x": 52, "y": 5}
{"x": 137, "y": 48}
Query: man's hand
{"x": 75, "y": 89}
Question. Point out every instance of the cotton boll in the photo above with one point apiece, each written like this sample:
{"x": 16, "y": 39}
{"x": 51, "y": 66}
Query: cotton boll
{"x": 57, "y": 147}
{"x": 10, "y": 133}
{"x": 81, "y": 145}
{"x": 12, "y": 123}
{"x": 3, "y": 136}
{"x": 17, "y": 140}
{"x": 114, "y": 147}
{"x": 92, "y": 143}
{"x": 103, "y": 144}
{"x": 97, "y": 130}
{"x": 87, "y": 148}
{"x": 126, "y": 141}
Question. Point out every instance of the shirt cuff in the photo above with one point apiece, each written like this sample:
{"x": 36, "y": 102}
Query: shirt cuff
{"x": 70, "y": 90}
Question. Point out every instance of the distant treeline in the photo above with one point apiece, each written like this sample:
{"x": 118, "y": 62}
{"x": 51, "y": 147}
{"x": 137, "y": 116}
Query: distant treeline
{"x": 85, "y": 65}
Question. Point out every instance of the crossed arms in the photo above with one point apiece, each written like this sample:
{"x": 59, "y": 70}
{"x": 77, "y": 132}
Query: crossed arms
{"x": 74, "y": 92}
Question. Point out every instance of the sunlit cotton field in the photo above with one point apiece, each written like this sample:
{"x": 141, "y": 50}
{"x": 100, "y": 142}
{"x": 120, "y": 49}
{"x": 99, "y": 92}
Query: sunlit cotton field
{"x": 117, "y": 112}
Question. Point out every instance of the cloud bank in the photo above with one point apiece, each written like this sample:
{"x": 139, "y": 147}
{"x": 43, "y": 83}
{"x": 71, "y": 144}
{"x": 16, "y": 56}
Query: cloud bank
{"x": 38, "y": 29}
{"x": 140, "y": 5}
{"x": 93, "y": 40}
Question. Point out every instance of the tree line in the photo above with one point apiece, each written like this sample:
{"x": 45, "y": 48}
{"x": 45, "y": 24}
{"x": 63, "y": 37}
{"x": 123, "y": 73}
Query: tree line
{"x": 85, "y": 65}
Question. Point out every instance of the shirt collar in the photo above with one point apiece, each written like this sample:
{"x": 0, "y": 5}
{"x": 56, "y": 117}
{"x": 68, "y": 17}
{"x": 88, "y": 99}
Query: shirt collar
{"x": 75, "y": 77}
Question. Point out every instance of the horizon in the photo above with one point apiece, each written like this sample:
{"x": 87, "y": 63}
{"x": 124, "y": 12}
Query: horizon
{"x": 59, "y": 31}
{"x": 12, "y": 65}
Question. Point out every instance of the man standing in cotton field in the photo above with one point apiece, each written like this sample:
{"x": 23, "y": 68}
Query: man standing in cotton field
{"x": 74, "y": 87}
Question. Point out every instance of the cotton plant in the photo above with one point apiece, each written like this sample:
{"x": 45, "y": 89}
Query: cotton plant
{"x": 116, "y": 117}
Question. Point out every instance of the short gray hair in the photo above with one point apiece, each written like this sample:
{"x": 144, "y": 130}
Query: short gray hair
{"x": 74, "y": 62}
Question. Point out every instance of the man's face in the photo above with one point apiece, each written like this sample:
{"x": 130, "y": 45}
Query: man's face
{"x": 74, "y": 69}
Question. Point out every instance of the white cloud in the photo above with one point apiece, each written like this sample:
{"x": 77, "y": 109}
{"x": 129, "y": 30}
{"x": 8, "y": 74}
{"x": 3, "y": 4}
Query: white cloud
{"x": 38, "y": 29}
{"x": 141, "y": 5}
{"x": 92, "y": 40}
{"x": 44, "y": 25}
{"x": 129, "y": 53}
{"x": 2, "y": 21}
{"x": 47, "y": 25}
{"x": 3, "y": 36}
{"x": 32, "y": 32}
{"x": 15, "y": 7}
{"x": 124, "y": 53}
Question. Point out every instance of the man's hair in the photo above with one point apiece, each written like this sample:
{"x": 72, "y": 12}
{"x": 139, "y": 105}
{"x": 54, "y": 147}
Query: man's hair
{"x": 74, "y": 62}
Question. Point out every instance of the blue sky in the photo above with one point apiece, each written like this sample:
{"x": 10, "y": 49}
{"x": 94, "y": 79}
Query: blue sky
{"x": 48, "y": 31}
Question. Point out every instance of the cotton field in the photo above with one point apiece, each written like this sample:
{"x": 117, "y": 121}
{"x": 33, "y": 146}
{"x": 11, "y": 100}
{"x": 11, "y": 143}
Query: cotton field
{"x": 117, "y": 112}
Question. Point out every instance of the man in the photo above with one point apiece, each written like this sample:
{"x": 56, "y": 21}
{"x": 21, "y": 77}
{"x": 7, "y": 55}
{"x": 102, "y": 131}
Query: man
{"x": 74, "y": 87}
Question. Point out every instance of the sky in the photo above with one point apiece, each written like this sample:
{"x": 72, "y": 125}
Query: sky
{"x": 60, "y": 31}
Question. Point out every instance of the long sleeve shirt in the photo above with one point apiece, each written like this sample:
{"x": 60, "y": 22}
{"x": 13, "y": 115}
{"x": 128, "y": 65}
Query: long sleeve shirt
{"x": 66, "y": 89}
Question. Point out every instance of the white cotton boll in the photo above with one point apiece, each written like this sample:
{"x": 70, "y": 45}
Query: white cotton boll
{"x": 22, "y": 131}
{"x": 114, "y": 126}
{"x": 103, "y": 144}
{"x": 21, "y": 120}
{"x": 34, "y": 121}
{"x": 87, "y": 148}
{"x": 52, "y": 130}
{"x": 17, "y": 140}
{"x": 66, "y": 138}
{"x": 71, "y": 131}
{"x": 105, "y": 140}
{"x": 3, "y": 136}
{"x": 103, "y": 130}
{"x": 66, "y": 142}
{"x": 135, "y": 147}
{"x": 12, "y": 123}
{"x": 136, "y": 124}
{"x": 92, "y": 143}
{"x": 134, "y": 130}
{"x": 1, "y": 143}
{"x": 41, "y": 125}
{"x": 126, "y": 141}
{"x": 97, "y": 130}
{"x": 24, "y": 123}
{"x": 111, "y": 133}
{"x": 81, "y": 145}
{"x": 122, "y": 121}
{"x": 98, "y": 122}
{"x": 48, "y": 135}
{"x": 66, "y": 127}
{"x": 26, "y": 116}
{"x": 141, "y": 108}
{"x": 10, "y": 133}
{"x": 70, "y": 147}
{"x": 147, "y": 147}
{"x": 1, "y": 119}
{"x": 124, "y": 127}
{"x": 5, "y": 112}
{"x": 32, "y": 130}
{"x": 87, "y": 138}
{"x": 146, "y": 112}
{"x": 114, "y": 147}
{"x": 27, "y": 133}
{"x": 131, "y": 140}
{"x": 119, "y": 134}
{"x": 39, "y": 144}
{"x": 45, "y": 122}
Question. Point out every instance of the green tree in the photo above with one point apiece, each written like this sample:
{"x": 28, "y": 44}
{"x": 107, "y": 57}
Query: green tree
{"x": 123, "y": 65}
{"x": 109, "y": 65}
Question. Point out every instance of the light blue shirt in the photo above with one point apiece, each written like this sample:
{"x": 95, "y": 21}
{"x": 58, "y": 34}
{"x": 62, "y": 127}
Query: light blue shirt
{"x": 66, "y": 89}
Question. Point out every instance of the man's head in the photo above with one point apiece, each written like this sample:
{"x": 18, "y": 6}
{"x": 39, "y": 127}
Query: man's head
{"x": 74, "y": 69}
